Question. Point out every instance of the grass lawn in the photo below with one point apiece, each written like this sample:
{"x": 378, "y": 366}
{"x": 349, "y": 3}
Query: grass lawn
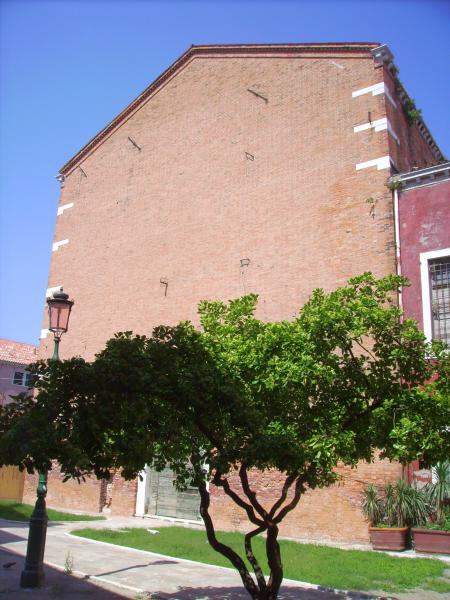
{"x": 16, "y": 511}
{"x": 331, "y": 567}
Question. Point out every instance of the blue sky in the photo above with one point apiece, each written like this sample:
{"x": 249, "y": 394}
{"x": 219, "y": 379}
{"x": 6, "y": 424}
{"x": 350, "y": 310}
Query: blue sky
{"x": 68, "y": 67}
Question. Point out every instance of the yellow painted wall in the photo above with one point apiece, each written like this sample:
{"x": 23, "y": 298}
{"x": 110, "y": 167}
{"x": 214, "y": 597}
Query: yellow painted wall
{"x": 11, "y": 483}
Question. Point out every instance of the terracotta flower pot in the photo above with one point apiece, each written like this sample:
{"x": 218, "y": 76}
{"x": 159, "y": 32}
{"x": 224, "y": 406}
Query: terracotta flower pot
{"x": 432, "y": 540}
{"x": 388, "y": 538}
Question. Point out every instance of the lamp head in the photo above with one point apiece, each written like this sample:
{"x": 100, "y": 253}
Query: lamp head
{"x": 59, "y": 307}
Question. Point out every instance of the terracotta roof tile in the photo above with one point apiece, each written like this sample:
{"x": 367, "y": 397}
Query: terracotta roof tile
{"x": 17, "y": 352}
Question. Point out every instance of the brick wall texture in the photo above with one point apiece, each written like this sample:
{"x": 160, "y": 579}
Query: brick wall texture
{"x": 70, "y": 494}
{"x": 221, "y": 175}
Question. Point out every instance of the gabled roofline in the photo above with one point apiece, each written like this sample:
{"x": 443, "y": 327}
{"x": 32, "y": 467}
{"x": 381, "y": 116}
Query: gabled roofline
{"x": 243, "y": 49}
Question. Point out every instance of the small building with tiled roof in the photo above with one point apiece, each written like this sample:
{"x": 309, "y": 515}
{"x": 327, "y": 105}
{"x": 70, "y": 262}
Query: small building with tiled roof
{"x": 14, "y": 359}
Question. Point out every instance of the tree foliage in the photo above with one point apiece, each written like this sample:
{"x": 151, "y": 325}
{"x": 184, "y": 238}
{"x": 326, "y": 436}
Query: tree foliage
{"x": 346, "y": 379}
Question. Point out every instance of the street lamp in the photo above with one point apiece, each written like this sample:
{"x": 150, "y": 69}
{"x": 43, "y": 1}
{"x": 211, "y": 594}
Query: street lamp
{"x": 59, "y": 307}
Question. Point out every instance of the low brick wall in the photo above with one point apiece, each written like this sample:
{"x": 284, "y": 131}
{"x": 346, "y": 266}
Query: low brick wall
{"x": 85, "y": 496}
{"x": 331, "y": 514}
{"x": 123, "y": 495}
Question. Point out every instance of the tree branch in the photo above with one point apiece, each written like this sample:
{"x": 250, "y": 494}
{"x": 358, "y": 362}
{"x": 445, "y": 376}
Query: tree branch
{"x": 369, "y": 409}
{"x": 365, "y": 349}
{"x": 224, "y": 483}
{"x": 251, "y": 495}
{"x": 299, "y": 490}
{"x": 252, "y": 559}
{"x": 208, "y": 435}
{"x": 287, "y": 485}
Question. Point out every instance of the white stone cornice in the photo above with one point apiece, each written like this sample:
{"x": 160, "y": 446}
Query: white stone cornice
{"x": 375, "y": 90}
{"x": 64, "y": 207}
{"x": 377, "y": 125}
{"x": 423, "y": 177}
{"x": 384, "y": 162}
{"x": 57, "y": 245}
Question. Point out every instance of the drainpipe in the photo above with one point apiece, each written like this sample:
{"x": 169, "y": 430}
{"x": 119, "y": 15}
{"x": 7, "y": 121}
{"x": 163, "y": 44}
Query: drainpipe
{"x": 407, "y": 470}
{"x": 397, "y": 243}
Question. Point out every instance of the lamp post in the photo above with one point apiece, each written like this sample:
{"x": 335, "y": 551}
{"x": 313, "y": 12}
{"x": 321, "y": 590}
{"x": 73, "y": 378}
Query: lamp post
{"x": 59, "y": 307}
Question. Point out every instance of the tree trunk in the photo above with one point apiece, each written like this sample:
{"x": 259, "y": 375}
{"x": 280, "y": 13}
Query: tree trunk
{"x": 223, "y": 549}
{"x": 274, "y": 559}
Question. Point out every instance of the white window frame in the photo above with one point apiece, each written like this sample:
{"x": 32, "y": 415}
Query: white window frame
{"x": 23, "y": 373}
{"x": 425, "y": 258}
{"x": 25, "y": 376}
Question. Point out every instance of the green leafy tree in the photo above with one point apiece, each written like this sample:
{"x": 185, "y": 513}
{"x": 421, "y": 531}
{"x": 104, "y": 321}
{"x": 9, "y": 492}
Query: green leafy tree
{"x": 344, "y": 381}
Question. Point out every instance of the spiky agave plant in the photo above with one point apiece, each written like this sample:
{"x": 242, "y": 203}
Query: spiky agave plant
{"x": 410, "y": 505}
{"x": 372, "y": 506}
{"x": 402, "y": 499}
{"x": 389, "y": 505}
{"x": 397, "y": 505}
{"x": 439, "y": 491}
{"x": 420, "y": 508}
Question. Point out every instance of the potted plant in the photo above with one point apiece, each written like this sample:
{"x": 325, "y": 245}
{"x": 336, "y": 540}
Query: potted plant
{"x": 435, "y": 535}
{"x": 392, "y": 512}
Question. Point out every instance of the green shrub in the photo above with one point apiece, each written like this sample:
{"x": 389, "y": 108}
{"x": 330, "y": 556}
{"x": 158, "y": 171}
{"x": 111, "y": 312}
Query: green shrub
{"x": 399, "y": 505}
{"x": 439, "y": 491}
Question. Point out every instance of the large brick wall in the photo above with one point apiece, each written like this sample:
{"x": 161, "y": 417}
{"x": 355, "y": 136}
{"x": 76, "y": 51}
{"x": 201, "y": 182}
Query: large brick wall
{"x": 222, "y": 174}
{"x": 191, "y": 203}
{"x": 72, "y": 495}
{"x": 328, "y": 515}
{"x": 117, "y": 496}
{"x": 123, "y": 495}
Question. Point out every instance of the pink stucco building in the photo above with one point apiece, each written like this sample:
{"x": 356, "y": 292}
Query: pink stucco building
{"x": 14, "y": 359}
{"x": 14, "y": 379}
{"x": 422, "y": 219}
{"x": 423, "y": 223}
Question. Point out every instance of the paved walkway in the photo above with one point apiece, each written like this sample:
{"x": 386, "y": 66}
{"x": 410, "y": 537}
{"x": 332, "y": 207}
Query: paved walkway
{"x": 105, "y": 572}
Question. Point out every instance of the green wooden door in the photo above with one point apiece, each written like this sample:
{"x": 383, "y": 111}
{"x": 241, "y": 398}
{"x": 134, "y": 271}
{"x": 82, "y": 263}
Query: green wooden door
{"x": 166, "y": 501}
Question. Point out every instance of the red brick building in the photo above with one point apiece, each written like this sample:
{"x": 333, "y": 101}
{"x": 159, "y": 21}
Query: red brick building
{"x": 258, "y": 168}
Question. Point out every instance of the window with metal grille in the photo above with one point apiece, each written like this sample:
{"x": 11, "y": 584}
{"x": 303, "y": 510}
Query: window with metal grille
{"x": 439, "y": 270}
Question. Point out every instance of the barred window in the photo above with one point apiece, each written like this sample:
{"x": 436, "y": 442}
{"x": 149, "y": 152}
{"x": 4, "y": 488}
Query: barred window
{"x": 439, "y": 271}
